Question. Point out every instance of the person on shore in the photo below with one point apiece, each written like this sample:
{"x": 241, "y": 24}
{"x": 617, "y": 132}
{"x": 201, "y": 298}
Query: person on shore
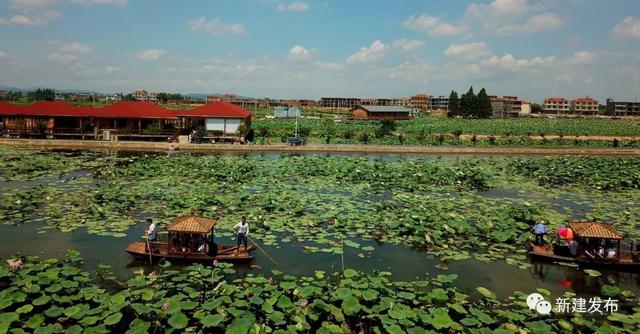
{"x": 539, "y": 230}
{"x": 243, "y": 232}
{"x": 152, "y": 233}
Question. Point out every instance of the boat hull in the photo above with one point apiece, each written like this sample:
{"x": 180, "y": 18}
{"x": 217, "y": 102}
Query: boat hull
{"x": 225, "y": 254}
{"x": 536, "y": 252}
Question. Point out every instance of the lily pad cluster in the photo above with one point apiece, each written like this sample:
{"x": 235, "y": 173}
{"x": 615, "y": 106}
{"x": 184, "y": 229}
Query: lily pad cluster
{"x": 604, "y": 173}
{"x": 55, "y": 296}
{"x": 449, "y": 207}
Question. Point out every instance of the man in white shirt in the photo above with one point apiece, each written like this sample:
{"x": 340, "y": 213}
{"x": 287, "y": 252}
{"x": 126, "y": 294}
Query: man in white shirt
{"x": 243, "y": 232}
{"x": 152, "y": 234}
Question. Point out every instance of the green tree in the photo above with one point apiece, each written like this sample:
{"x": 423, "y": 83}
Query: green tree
{"x": 485, "y": 110}
{"x": 163, "y": 97}
{"x": 469, "y": 104}
{"x": 536, "y": 108}
{"x": 387, "y": 126}
{"x": 454, "y": 104}
{"x": 42, "y": 94}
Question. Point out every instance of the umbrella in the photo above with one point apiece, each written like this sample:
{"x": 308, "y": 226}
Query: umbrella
{"x": 565, "y": 233}
{"x": 562, "y": 231}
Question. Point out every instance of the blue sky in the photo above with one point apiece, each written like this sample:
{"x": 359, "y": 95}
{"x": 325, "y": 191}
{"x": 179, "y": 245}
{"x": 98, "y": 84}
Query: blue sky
{"x": 309, "y": 49}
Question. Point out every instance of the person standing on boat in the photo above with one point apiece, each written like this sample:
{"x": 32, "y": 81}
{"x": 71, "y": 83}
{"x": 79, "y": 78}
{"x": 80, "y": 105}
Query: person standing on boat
{"x": 540, "y": 230}
{"x": 243, "y": 231}
{"x": 152, "y": 233}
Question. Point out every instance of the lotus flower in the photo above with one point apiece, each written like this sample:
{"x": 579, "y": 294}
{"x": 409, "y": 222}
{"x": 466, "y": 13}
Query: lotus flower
{"x": 270, "y": 280}
{"x": 14, "y": 264}
{"x": 304, "y": 303}
{"x": 215, "y": 262}
{"x": 165, "y": 307}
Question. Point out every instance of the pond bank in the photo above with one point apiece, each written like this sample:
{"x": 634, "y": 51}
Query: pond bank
{"x": 154, "y": 146}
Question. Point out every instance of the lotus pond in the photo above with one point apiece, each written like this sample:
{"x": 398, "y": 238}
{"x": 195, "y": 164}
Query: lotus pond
{"x": 429, "y": 243}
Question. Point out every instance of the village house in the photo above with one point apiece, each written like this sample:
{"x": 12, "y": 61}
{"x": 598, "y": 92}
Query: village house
{"x": 368, "y": 112}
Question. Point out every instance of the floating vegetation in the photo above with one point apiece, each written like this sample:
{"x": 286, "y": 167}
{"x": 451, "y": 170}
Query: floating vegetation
{"x": 52, "y": 296}
{"x": 453, "y": 209}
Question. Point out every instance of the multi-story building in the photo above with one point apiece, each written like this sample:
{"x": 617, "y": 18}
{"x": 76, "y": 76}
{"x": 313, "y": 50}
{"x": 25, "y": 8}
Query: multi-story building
{"x": 144, "y": 96}
{"x": 616, "y": 108}
{"x": 556, "y": 105}
{"x": 505, "y": 106}
{"x": 339, "y": 102}
{"x": 440, "y": 103}
{"x": 420, "y": 101}
{"x": 585, "y": 106}
{"x": 525, "y": 108}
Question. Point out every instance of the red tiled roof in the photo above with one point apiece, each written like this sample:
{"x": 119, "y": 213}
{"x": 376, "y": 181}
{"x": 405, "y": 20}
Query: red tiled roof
{"x": 134, "y": 110}
{"x": 217, "y": 109}
{"x": 585, "y": 100}
{"x": 555, "y": 99}
{"x": 7, "y": 108}
{"x": 121, "y": 110}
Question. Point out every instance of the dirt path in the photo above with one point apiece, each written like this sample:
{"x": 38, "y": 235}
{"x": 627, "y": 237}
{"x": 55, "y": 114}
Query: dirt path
{"x": 164, "y": 147}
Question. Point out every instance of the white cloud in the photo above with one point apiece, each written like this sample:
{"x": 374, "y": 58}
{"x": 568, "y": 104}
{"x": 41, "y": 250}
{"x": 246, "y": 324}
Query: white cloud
{"x": 629, "y": 27}
{"x": 296, "y": 6}
{"x": 68, "y": 52}
{"x": 498, "y": 9}
{"x": 542, "y": 22}
{"x": 410, "y": 71}
{"x": 215, "y": 26}
{"x": 151, "y": 54}
{"x": 31, "y": 4}
{"x": 74, "y": 47}
{"x": 121, "y": 3}
{"x": 35, "y": 19}
{"x": 369, "y": 54}
{"x": 3, "y": 55}
{"x": 331, "y": 66}
{"x": 408, "y": 45}
{"x": 298, "y": 52}
{"x": 508, "y": 62}
{"x": 62, "y": 57}
{"x": 468, "y": 50}
{"x": 581, "y": 58}
{"x": 434, "y": 26}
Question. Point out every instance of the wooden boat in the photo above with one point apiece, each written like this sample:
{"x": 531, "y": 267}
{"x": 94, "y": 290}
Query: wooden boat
{"x": 588, "y": 235}
{"x": 187, "y": 240}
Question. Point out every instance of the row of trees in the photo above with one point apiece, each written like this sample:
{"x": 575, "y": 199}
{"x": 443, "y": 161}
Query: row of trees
{"x": 470, "y": 105}
{"x": 166, "y": 97}
{"x": 42, "y": 94}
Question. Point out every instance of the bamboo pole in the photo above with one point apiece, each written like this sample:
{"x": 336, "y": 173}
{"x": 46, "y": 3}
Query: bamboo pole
{"x": 262, "y": 250}
{"x": 149, "y": 248}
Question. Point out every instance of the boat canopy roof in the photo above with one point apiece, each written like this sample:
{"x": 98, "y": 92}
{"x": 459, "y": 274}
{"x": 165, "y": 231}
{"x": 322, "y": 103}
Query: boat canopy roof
{"x": 594, "y": 230}
{"x": 192, "y": 224}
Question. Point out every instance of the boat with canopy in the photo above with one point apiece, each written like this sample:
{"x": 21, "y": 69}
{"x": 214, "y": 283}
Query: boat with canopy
{"x": 593, "y": 244}
{"x": 190, "y": 239}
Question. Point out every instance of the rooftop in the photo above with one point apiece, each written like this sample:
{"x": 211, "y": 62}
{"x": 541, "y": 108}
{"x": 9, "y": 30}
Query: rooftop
{"x": 192, "y": 224}
{"x": 594, "y": 230}
{"x": 121, "y": 110}
{"x": 371, "y": 108}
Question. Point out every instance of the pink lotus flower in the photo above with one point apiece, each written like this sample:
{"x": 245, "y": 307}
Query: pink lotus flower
{"x": 270, "y": 280}
{"x": 215, "y": 262}
{"x": 14, "y": 264}
{"x": 165, "y": 307}
{"x": 153, "y": 273}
